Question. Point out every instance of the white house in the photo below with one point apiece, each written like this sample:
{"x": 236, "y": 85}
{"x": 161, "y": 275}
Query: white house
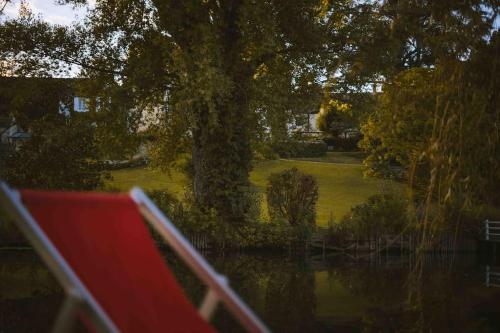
{"x": 13, "y": 134}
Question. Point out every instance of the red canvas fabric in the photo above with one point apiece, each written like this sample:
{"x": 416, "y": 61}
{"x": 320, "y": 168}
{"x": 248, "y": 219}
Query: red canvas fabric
{"x": 105, "y": 241}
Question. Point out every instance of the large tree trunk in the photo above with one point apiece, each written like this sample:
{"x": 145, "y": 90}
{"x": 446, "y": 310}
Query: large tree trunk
{"x": 221, "y": 154}
{"x": 221, "y": 151}
{"x": 221, "y": 162}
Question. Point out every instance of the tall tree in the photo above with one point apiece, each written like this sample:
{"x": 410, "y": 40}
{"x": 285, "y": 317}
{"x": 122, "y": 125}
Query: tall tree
{"x": 215, "y": 69}
{"x": 435, "y": 116}
{"x": 61, "y": 152}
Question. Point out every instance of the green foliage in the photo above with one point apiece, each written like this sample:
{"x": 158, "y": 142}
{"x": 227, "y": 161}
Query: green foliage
{"x": 264, "y": 235}
{"x": 220, "y": 79}
{"x": 420, "y": 125}
{"x": 381, "y": 214}
{"x": 398, "y": 129}
{"x": 292, "y": 195}
{"x": 186, "y": 218}
{"x": 191, "y": 221}
{"x": 235, "y": 71}
{"x": 64, "y": 150}
{"x": 166, "y": 202}
{"x": 388, "y": 37}
{"x": 30, "y": 99}
{"x": 31, "y": 47}
{"x": 339, "y": 120}
{"x": 344, "y": 144}
{"x": 437, "y": 117}
{"x": 264, "y": 151}
{"x": 295, "y": 148}
{"x": 61, "y": 154}
{"x": 334, "y": 118}
{"x": 239, "y": 72}
{"x": 341, "y": 180}
{"x": 462, "y": 151}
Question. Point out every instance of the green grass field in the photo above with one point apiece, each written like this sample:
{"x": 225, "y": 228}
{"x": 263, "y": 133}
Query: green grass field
{"x": 341, "y": 183}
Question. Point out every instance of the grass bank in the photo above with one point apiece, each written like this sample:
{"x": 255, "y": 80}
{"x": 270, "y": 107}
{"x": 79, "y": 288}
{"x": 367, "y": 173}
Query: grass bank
{"x": 339, "y": 176}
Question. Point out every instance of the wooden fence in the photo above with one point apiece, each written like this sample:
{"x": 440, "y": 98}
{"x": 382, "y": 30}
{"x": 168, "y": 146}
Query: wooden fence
{"x": 405, "y": 242}
{"x": 492, "y": 231}
{"x": 200, "y": 242}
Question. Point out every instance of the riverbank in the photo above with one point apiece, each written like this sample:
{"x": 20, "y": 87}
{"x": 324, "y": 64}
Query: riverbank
{"x": 341, "y": 183}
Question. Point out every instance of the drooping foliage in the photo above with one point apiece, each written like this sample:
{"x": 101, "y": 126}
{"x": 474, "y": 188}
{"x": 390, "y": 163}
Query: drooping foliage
{"x": 436, "y": 120}
{"x": 398, "y": 129}
{"x": 463, "y": 149}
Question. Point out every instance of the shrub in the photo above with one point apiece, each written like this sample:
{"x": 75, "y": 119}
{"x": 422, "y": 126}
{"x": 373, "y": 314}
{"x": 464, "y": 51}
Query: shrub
{"x": 343, "y": 143}
{"x": 380, "y": 214}
{"x": 264, "y": 235}
{"x": 311, "y": 149}
{"x": 165, "y": 201}
{"x": 191, "y": 220}
{"x": 292, "y": 195}
{"x": 295, "y": 148}
{"x": 186, "y": 218}
{"x": 264, "y": 151}
{"x": 254, "y": 204}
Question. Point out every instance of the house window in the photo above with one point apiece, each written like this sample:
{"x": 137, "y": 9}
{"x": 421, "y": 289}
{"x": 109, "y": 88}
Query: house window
{"x": 81, "y": 104}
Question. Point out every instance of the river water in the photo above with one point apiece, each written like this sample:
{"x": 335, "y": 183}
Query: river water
{"x": 306, "y": 294}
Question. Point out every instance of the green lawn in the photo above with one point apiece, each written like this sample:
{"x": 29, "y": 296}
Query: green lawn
{"x": 354, "y": 157}
{"x": 149, "y": 179}
{"x": 341, "y": 185}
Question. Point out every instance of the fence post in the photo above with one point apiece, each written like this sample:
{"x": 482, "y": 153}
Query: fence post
{"x": 487, "y": 276}
{"x": 486, "y": 229}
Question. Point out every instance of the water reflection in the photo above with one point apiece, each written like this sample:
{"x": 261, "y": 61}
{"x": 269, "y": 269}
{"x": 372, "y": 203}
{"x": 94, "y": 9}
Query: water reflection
{"x": 492, "y": 276}
{"x": 300, "y": 294}
{"x": 29, "y": 295}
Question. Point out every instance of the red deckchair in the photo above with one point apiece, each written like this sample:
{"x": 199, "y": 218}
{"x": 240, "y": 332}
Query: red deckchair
{"x": 114, "y": 277}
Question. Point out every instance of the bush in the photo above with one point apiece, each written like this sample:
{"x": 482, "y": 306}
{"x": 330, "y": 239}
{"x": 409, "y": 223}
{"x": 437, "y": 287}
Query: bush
{"x": 343, "y": 144}
{"x": 292, "y": 196}
{"x": 264, "y": 151}
{"x": 381, "y": 214}
{"x": 191, "y": 220}
{"x": 293, "y": 148}
{"x": 264, "y": 235}
{"x": 185, "y": 218}
{"x": 255, "y": 234}
{"x": 165, "y": 201}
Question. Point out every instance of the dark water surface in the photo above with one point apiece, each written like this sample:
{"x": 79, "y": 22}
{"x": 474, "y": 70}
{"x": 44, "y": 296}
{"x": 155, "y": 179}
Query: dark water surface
{"x": 314, "y": 294}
